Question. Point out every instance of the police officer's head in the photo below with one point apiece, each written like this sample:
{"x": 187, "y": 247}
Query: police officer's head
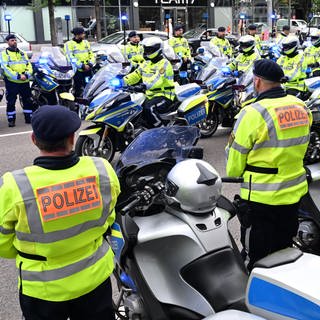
{"x": 252, "y": 29}
{"x": 11, "y": 41}
{"x": 315, "y": 38}
{"x": 152, "y": 48}
{"x": 54, "y": 128}
{"x": 133, "y": 37}
{"x": 178, "y": 30}
{"x": 286, "y": 29}
{"x": 267, "y": 74}
{"x": 246, "y": 44}
{"x": 79, "y": 33}
{"x": 290, "y": 46}
{"x": 221, "y": 32}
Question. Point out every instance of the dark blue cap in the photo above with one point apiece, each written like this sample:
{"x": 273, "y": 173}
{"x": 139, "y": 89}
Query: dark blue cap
{"x": 268, "y": 70}
{"x": 10, "y": 36}
{"x": 178, "y": 27}
{"x": 77, "y": 30}
{"x": 221, "y": 29}
{"x": 132, "y": 34}
{"x": 54, "y": 123}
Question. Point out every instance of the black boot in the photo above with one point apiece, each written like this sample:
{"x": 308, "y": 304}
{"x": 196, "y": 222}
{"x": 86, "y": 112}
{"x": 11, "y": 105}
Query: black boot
{"x": 11, "y": 123}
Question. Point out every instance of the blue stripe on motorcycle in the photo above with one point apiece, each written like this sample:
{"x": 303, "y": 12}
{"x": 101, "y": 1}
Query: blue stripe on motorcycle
{"x": 268, "y": 296}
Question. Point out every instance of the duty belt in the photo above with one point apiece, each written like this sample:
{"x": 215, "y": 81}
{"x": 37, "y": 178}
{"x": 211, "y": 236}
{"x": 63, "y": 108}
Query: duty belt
{"x": 160, "y": 89}
{"x": 261, "y": 169}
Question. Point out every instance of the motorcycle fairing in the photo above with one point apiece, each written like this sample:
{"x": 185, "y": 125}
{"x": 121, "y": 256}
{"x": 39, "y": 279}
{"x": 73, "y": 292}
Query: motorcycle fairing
{"x": 46, "y": 82}
{"x": 119, "y": 116}
{"x": 222, "y": 97}
{"x": 168, "y": 242}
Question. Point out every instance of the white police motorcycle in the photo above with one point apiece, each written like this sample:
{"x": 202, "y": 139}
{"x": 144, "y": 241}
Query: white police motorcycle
{"x": 175, "y": 256}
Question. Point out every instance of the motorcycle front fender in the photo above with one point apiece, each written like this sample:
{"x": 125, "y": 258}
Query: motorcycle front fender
{"x": 95, "y": 133}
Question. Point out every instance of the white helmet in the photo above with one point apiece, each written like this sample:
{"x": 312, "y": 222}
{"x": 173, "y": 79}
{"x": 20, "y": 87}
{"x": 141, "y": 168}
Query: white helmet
{"x": 290, "y": 45}
{"x": 194, "y": 185}
{"x": 246, "y": 43}
{"x": 152, "y": 47}
{"x": 315, "y": 37}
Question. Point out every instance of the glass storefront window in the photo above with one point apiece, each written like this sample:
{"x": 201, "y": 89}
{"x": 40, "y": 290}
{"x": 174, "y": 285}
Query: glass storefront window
{"x": 196, "y": 17}
{"x": 149, "y": 18}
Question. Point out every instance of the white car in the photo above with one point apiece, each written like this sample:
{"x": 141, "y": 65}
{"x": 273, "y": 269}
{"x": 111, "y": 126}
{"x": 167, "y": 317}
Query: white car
{"x": 23, "y": 44}
{"x": 117, "y": 39}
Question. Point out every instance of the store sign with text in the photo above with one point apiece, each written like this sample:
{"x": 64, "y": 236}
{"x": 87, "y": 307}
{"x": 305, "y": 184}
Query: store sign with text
{"x": 173, "y": 3}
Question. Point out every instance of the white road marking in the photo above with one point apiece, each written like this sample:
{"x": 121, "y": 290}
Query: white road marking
{"x": 14, "y": 134}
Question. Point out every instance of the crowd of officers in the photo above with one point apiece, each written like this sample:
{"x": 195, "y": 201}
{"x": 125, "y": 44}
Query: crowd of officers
{"x": 63, "y": 260}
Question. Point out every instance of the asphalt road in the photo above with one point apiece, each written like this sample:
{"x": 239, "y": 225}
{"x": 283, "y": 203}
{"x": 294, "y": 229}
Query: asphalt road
{"x": 17, "y": 152}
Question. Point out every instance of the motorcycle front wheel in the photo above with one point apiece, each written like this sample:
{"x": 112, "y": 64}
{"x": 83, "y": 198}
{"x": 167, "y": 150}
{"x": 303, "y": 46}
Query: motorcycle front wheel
{"x": 85, "y": 147}
{"x": 210, "y": 125}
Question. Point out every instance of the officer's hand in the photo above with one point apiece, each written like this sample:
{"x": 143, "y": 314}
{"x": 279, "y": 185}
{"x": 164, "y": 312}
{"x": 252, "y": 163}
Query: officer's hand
{"x": 86, "y": 67}
{"x": 23, "y": 77}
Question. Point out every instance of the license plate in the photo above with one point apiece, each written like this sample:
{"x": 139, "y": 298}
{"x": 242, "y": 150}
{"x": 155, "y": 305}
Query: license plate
{"x": 197, "y": 115}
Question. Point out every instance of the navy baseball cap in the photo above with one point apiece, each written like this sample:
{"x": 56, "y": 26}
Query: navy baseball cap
{"x": 10, "y": 36}
{"x": 54, "y": 123}
{"x": 268, "y": 70}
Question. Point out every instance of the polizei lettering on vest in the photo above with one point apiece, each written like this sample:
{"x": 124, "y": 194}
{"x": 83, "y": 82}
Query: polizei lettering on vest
{"x": 68, "y": 198}
{"x": 291, "y": 116}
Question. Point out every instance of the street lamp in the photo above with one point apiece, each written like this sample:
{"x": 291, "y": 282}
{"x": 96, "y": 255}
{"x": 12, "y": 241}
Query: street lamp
{"x": 67, "y": 18}
{"x": 8, "y": 18}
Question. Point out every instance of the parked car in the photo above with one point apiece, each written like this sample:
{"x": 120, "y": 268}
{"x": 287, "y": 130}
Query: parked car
{"x": 296, "y": 25}
{"x": 312, "y": 26}
{"x": 23, "y": 44}
{"x": 117, "y": 39}
{"x": 196, "y": 36}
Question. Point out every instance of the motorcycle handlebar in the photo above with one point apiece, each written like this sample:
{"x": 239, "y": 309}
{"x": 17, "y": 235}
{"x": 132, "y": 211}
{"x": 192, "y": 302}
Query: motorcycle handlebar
{"x": 130, "y": 206}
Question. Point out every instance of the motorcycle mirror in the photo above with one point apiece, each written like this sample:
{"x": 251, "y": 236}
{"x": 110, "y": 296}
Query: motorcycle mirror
{"x": 67, "y": 96}
{"x": 192, "y": 152}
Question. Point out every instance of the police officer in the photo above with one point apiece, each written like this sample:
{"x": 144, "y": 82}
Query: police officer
{"x": 312, "y": 53}
{"x": 180, "y": 46}
{"x": 133, "y": 51}
{"x": 17, "y": 73}
{"x": 244, "y": 61}
{"x": 222, "y": 43}
{"x": 156, "y": 75}
{"x": 294, "y": 66}
{"x": 53, "y": 215}
{"x": 79, "y": 53}
{"x": 252, "y": 31}
{"x": 266, "y": 148}
{"x": 283, "y": 35}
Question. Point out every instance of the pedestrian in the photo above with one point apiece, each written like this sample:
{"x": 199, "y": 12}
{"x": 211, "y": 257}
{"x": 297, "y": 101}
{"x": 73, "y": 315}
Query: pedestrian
{"x": 266, "y": 148}
{"x": 133, "y": 51}
{"x": 294, "y": 65}
{"x": 222, "y": 43}
{"x": 248, "y": 55}
{"x": 53, "y": 215}
{"x": 78, "y": 52}
{"x": 156, "y": 75}
{"x": 17, "y": 71}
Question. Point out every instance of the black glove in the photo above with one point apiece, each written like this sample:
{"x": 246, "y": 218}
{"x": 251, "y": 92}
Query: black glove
{"x": 140, "y": 88}
{"x": 313, "y": 65}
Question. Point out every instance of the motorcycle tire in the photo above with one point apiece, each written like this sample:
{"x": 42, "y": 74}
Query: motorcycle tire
{"x": 85, "y": 147}
{"x": 209, "y": 126}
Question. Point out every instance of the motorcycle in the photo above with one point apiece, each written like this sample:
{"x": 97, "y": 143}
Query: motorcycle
{"x": 176, "y": 264}
{"x": 226, "y": 91}
{"x": 52, "y": 78}
{"x": 117, "y": 119}
{"x": 270, "y": 50}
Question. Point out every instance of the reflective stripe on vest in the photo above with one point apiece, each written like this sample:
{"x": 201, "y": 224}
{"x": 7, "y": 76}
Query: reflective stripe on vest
{"x": 33, "y": 215}
{"x": 273, "y": 141}
{"x": 6, "y": 231}
{"x": 274, "y": 186}
{"x": 69, "y": 270}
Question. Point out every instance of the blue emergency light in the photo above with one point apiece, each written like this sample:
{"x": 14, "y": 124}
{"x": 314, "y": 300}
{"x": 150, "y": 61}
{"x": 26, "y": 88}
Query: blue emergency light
{"x": 115, "y": 82}
{"x": 7, "y": 17}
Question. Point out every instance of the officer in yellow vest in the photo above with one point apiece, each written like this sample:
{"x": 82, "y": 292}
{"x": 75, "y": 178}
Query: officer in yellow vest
{"x": 78, "y": 52}
{"x": 283, "y": 35}
{"x": 294, "y": 66}
{"x": 312, "y": 54}
{"x": 156, "y": 76}
{"x": 53, "y": 215}
{"x": 252, "y": 31}
{"x": 133, "y": 51}
{"x": 180, "y": 46}
{"x": 248, "y": 55}
{"x": 222, "y": 43}
{"x": 17, "y": 73}
{"x": 266, "y": 148}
